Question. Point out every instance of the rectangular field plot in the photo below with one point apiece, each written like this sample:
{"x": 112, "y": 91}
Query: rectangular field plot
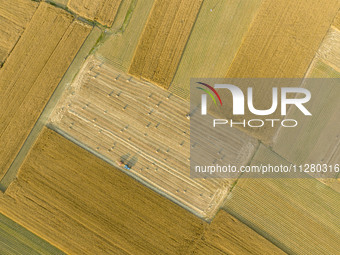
{"x": 102, "y": 11}
{"x": 283, "y": 39}
{"x": 317, "y": 140}
{"x": 163, "y": 40}
{"x": 227, "y": 235}
{"x": 145, "y": 128}
{"x": 300, "y": 216}
{"x": 281, "y": 43}
{"x": 214, "y": 41}
{"x": 82, "y": 205}
{"x": 32, "y": 72}
{"x": 62, "y": 187}
{"x": 14, "y": 17}
{"x": 120, "y": 46}
{"x": 14, "y": 239}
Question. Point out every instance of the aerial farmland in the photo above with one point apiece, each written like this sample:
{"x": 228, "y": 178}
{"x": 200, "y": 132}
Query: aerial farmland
{"x": 111, "y": 135}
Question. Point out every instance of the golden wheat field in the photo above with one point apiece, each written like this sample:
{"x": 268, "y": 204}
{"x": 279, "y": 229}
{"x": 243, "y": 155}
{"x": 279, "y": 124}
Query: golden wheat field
{"x": 116, "y": 128}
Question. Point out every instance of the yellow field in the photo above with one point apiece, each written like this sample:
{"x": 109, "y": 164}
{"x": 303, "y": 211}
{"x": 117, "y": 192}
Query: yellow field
{"x": 336, "y": 22}
{"x": 281, "y": 43}
{"x": 282, "y": 40}
{"x": 317, "y": 140}
{"x": 214, "y": 41}
{"x": 14, "y": 17}
{"x": 101, "y": 151}
{"x": 120, "y": 118}
{"x": 301, "y": 216}
{"x": 82, "y": 205}
{"x": 227, "y": 235}
{"x": 14, "y": 239}
{"x": 120, "y": 46}
{"x": 329, "y": 53}
{"x": 28, "y": 79}
{"x": 102, "y": 11}
{"x": 163, "y": 40}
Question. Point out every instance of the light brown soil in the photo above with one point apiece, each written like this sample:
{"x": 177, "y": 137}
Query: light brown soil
{"x": 117, "y": 116}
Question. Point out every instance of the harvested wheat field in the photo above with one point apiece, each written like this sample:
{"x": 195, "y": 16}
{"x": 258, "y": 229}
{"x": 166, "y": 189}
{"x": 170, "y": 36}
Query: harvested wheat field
{"x": 163, "y": 40}
{"x": 142, "y": 132}
{"x": 99, "y": 205}
{"x": 113, "y": 139}
{"x": 72, "y": 184}
{"x": 28, "y": 79}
